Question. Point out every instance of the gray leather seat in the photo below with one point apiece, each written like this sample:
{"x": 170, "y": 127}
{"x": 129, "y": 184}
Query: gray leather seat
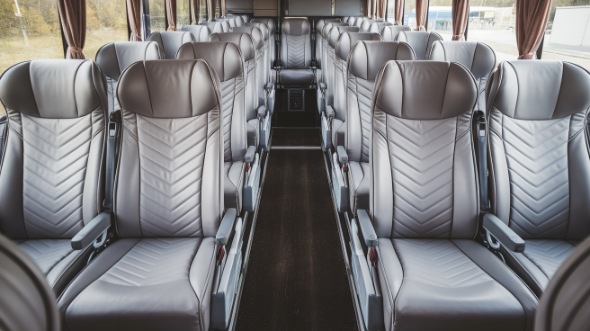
{"x": 50, "y": 189}
{"x": 262, "y": 64}
{"x": 377, "y": 27}
{"x": 200, "y": 32}
{"x": 225, "y": 26}
{"x": 318, "y": 56}
{"x": 215, "y": 27}
{"x": 226, "y": 60}
{"x": 170, "y": 41}
{"x": 390, "y": 32}
{"x": 295, "y": 54}
{"x": 272, "y": 37}
{"x": 114, "y": 58}
{"x": 424, "y": 211}
{"x": 354, "y": 175}
{"x": 479, "y": 58}
{"x": 420, "y": 41}
{"x": 27, "y": 302}
{"x": 326, "y": 86}
{"x": 565, "y": 305}
{"x": 540, "y": 162}
{"x": 168, "y": 210}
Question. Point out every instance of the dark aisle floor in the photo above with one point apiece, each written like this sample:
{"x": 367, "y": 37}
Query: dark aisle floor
{"x": 296, "y": 278}
{"x": 296, "y": 137}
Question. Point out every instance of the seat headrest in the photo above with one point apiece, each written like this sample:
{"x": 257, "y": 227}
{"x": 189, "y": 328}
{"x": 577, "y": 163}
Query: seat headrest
{"x": 390, "y": 32}
{"x": 269, "y": 22}
{"x": 343, "y": 29}
{"x": 223, "y": 57}
{"x": 328, "y": 26}
{"x": 54, "y": 88}
{"x": 478, "y": 57}
{"x": 243, "y": 40}
{"x": 170, "y": 41}
{"x": 348, "y": 39}
{"x": 254, "y": 32}
{"x": 421, "y": 41}
{"x": 319, "y": 26}
{"x": 200, "y": 32}
{"x": 169, "y": 89}
{"x": 215, "y": 27}
{"x": 366, "y": 25}
{"x": 377, "y": 27}
{"x": 367, "y": 58}
{"x": 263, "y": 28}
{"x": 295, "y": 26}
{"x": 539, "y": 90}
{"x": 401, "y": 86}
{"x": 114, "y": 58}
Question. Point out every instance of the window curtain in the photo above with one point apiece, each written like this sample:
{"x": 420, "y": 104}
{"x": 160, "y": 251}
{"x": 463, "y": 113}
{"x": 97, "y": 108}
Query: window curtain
{"x": 398, "y": 11}
{"x": 134, "y": 15}
{"x": 531, "y": 19}
{"x": 382, "y": 6}
{"x": 196, "y": 7}
{"x": 372, "y": 6}
{"x": 72, "y": 15}
{"x": 421, "y": 12}
{"x": 171, "y": 14}
{"x": 460, "y": 12}
{"x": 223, "y": 11}
{"x": 210, "y": 10}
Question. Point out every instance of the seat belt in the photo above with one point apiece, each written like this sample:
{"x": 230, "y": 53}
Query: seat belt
{"x": 111, "y": 157}
{"x": 3, "y": 131}
{"x": 482, "y": 160}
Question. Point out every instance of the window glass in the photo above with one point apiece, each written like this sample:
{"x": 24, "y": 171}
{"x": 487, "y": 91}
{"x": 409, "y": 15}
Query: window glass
{"x": 410, "y": 14}
{"x": 182, "y": 14}
{"x": 203, "y": 12}
{"x": 440, "y": 18}
{"x": 567, "y": 35}
{"x": 390, "y": 11}
{"x": 494, "y": 24}
{"x": 29, "y": 29}
{"x": 106, "y": 21}
{"x": 157, "y": 15}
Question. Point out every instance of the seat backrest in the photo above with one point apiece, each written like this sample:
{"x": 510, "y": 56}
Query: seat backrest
{"x": 272, "y": 32}
{"x": 390, "y": 32}
{"x": 200, "y": 32}
{"x": 215, "y": 27}
{"x": 364, "y": 64}
{"x": 225, "y": 59}
{"x": 331, "y": 38}
{"x": 359, "y": 21}
{"x": 114, "y": 58}
{"x": 479, "y": 58}
{"x": 170, "y": 41}
{"x": 319, "y": 27}
{"x": 52, "y": 164}
{"x": 366, "y": 25}
{"x": 539, "y": 152}
{"x": 27, "y": 302}
{"x": 377, "y": 27}
{"x": 424, "y": 176}
{"x": 565, "y": 305}
{"x": 420, "y": 41}
{"x": 171, "y": 137}
{"x": 225, "y": 26}
{"x": 263, "y": 65}
{"x": 295, "y": 43}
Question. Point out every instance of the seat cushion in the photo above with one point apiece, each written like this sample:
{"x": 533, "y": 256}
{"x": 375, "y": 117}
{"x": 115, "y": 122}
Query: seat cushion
{"x": 296, "y": 77}
{"x": 233, "y": 184}
{"x": 56, "y": 259}
{"x": 440, "y": 284}
{"x": 359, "y": 179}
{"x": 539, "y": 261}
{"x": 143, "y": 284}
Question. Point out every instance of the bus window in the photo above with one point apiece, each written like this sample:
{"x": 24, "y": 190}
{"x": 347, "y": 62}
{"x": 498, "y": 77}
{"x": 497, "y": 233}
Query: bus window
{"x": 106, "y": 21}
{"x": 440, "y": 18}
{"x": 495, "y": 26}
{"x": 157, "y": 15}
{"x": 410, "y": 14}
{"x": 183, "y": 16}
{"x": 28, "y": 30}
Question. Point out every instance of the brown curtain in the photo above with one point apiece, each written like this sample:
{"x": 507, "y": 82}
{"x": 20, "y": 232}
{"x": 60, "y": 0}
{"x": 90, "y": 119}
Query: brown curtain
{"x": 421, "y": 12}
{"x": 382, "y": 6}
{"x": 222, "y": 13}
{"x": 210, "y": 10}
{"x": 371, "y": 5}
{"x": 398, "y": 11}
{"x": 196, "y": 7}
{"x": 134, "y": 15}
{"x": 72, "y": 14}
{"x": 460, "y": 11}
{"x": 531, "y": 19}
{"x": 171, "y": 14}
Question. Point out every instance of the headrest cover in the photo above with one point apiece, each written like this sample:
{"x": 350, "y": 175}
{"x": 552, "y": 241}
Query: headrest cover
{"x": 328, "y": 26}
{"x": 170, "y": 41}
{"x": 263, "y": 28}
{"x": 169, "y": 89}
{"x": 54, "y": 88}
{"x": 215, "y": 27}
{"x": 270, "y": 24}
{"x": 295, "y": 26}
{"x": 540, "y": 90}
{"x": 478, "y": 57}
{"x": 114, "y": 58}
{"x": 348, "y": 39}
{"x": 242, "y": 40}
{"x": 200, "y": 32}
{"x": 401, "y": 86}
{"x": 379, "y": 53}
{"x": 223, "y": 57}
{"x": 254, "y": 32}
{"x": 319, "y": 26}
{"x": 421, "y": 41}
{"x": 390, "y": 33}
{"x": 366, "y": 25}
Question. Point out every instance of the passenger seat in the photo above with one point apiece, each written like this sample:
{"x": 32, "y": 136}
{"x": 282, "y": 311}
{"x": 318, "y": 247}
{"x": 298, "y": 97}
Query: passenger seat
{"x": 170, "y": 41}
{"x": 420, "y": 41}
{"x": 295, "y": 55}
{"x": 200, "y": 32}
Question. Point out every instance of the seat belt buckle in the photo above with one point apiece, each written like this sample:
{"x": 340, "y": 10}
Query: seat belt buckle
{"x": 114, "y": 120}
{"x": 373, "y": 256}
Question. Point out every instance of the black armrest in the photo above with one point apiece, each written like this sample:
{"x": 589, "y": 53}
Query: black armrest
{"x": 250, "y": 154}
{"x": 367, "y": 230}
{"x": 262, "y": 111}
{"x": 330, "y": 112}
{"x": 92, "y": 231}
{"x": 226, "y": 226}
{"x": 342, "y": 155}
{"x": 505, "y": 235}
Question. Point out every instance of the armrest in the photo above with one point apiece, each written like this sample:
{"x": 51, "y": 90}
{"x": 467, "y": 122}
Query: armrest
{"x": 92, "y": 231}
{"x": 262, "y": 111}
{"x": 226, "y": 226}
{"x": 342, "y": 155}
{"x": 367, "y": 228}
{"x": 250, "y": 154}
{"x": 505, "y": 235}
{"x": 330, "y": 112}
